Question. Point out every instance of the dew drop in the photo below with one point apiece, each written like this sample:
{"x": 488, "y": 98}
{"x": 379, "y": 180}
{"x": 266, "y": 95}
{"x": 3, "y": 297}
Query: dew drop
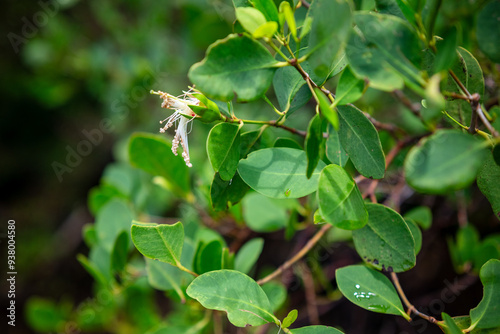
{"x": 358, "y": 286}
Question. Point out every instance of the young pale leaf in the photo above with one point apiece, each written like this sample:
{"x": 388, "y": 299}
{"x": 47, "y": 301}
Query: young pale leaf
{"x": 384, "y": 49}
{"x": 485, "y": 314}
{"x": 268, "y": 29}
{"x": 287, "y": 11}
{"x": 224, "y": 192}
{"x": 329, "y": 32}
{"x": 422, "y": 215}
{"x": 316, "y": 330}
{"x": 360, "y": 140}
{"x": 385, "y": 242}
{"x": 326, "y": 109}
{"x": 334, "y": 150}
{"x": 237, "y": 294}
{"x": 114, "y": 217}
{"x": 223, "y": 148}
{"x": 370, "y": 290}
{"x": 250, "y": 18}
{"x": 290, "y": 318}
{"x": 339, "y": 199}
{"x": 349, "y": 88}
{"x": 279, "y": 172}
{"x": 248, "y": 255}
{"x": 313, "y": 143}
{"x": 448, "y": 160}
{"x": 488, "y": 34}
{"x": 487, "y": 181}
{"x": 236, "y": 65}
{"x": 153, "y": 154}
{"x": 159, "y": 242}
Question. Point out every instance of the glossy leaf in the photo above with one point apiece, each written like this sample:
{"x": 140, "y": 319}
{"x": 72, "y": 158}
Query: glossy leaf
{"x": 248, "y": 255}
{"x": 349, "y": 88}
{"x": 326, "y": 109}
{"x": 223, "y": 148}
{"x": 384, "y": 50}
{"x": 316, "y": 330}
{"x": 385, "y": 242}
{"x": 360, "y": 140}
{"x": 209, "y": 257}
{"x": 313, "y": 142}
{"x": 279, "y": 172}
{"x": 334, "y": 150}
{"x": 485, "y": 315}
{"x": 236, "y": 65}
{"x": 159, "y": 242}
{"x": 487, "y": 181}
{"x": 153, "y": 154}
{"x": 339, "y": 199}
{"x": 237, "y": 294}
{"x": 224, "y": 192}
{"x": 488, "y": 34}
{"x": 422, "y": 215}
{"x": 369, "y": 289}
{"x": 448, "y": 160}
{"x": 262, "y": 214}
{"x": 111, "y": 220}
{"x": 329, "y": 32}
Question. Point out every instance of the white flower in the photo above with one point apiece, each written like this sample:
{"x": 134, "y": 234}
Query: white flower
{"x": 183, "y": 114}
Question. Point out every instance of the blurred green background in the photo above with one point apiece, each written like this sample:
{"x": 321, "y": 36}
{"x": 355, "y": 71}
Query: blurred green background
{"x": 71, "y": 68}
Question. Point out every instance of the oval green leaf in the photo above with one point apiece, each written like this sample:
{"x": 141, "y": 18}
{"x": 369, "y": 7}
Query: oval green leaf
{"x": 159, "y": 242}
{"x": 316, "y": 330}
{"x": 114, "y": 217}
{"x": 248, "y": 255}
{"x": 237, "y": 294}
{"x": 334, "y": 150}
{"x": 314, "y": 139}
{"x": 446, "y": 161}
{"x": 488, "y": 33}
{"x": 485, "y": 314}
{"x": 339, "y": 199}
{"x": 279, "y": 172}
{"x": 370, "y": 290}
{"x": 385, "y": 242}
{"x": 223, "y": 149}
{"x": 349, "y": 88}
{"x": 236, "y": 65}
{"x": 250, "y": 18}
{"x": 487, "y": 181}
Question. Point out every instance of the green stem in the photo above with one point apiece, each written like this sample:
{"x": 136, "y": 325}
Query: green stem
{"x": 272, "y": 106}
{"x": 275, "y": 48}
{"x": 181, "y": 267}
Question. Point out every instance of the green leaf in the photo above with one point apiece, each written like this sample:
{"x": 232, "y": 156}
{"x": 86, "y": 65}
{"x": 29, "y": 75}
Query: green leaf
{"x": 153, "y": 154}
{"x": 422, "y": 215}
{"x": 262, "y": 214}
{"x": 224, "y": 192}
{"x": 416, "y": 234}
{"x": 250, "y": 141}
{"x": 485, "y": 314}
{"x": 207, "y": 110}
{"x": 463, "y": 322}
{"x": 287, "y": 142}
{"x": 448, "y": 160}
{"x": 291, "y": 89}
{"x": 237, "y": 294}
{"x": 487, "y": 181}
{"x": 316, "y": 330}
{"x": 446, "y": 51}
{"x": 385, "y": 242}
{"x": 385, "y": 50}
{"x": 329, "y": 31}
{"x": 369, "y": 289}
{"x": 326, "y": 109}
{"x": 223, "y": 149}
{"x": 45, "y": 316}
{"x": 209, "y": 257}
{"x": 119, "y": 253}
{"x": 334, "y": 150}
{"x": 290, "y": 318}
{"x": 434, "y": 100}
{"x": 268, "y": 8}
{"x": 487, "y": 31}
{"x": 267, "y": 30}
{"x": 451, "y": 326}
{"x": 360, "y": 140}
{"x": 276, "y": 293}
{"x": 250, "y": 18}
{"x": 349, "y": 88}
{"x": 159, "y": 242}
{"x": 248, "y": 255}
{"x": 313, "y": 142}
{"x": 286, "y": 9}
{"x": 279, "y": 172}
{"x": 111, "y": 220}
{"x": 339, "y": 199}
{"x": 234, "y": 65}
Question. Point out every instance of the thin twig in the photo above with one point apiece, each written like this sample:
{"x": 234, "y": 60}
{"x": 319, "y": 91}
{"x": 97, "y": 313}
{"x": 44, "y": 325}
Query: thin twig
{"x": 312, "y": 309}
{"x": 307, "y": 247}
{"x": 305, "y": 3}
{"x": 409, "y": 306}
{"x": 413, "y": 107}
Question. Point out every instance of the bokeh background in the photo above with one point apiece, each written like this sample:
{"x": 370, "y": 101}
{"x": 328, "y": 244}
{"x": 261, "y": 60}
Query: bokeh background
{"x": 72, "y": 69}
